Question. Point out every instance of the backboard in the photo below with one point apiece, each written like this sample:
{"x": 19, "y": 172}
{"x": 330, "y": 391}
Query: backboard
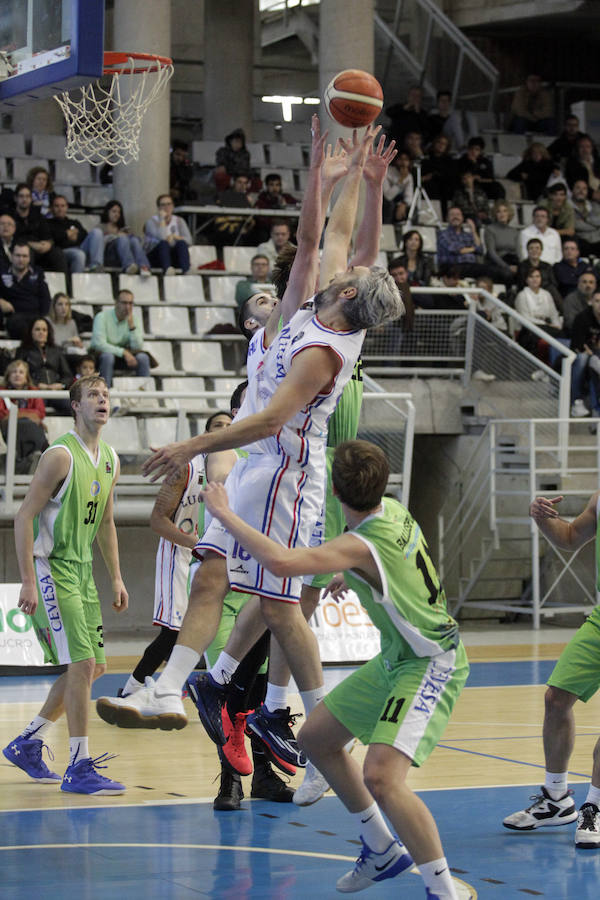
{"x": 53, "y": 45}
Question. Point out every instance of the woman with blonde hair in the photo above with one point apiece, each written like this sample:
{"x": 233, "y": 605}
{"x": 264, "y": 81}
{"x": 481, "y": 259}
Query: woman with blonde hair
{"x": 501, "y": 241}
{"x": 31, "y": 436}
{"x": 66, "y": 327}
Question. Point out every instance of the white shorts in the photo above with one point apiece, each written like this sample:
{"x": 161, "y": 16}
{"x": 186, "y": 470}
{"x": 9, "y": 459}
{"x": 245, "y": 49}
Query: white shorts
{"x": 171, "y": 584}
{"x": 278, "y": 500}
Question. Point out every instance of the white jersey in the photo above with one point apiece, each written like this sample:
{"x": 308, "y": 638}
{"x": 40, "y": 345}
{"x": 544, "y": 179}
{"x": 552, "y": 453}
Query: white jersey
{"x": 256, "y": 353}
{"x": 173, "y": 560}
{"x": 304, "y": 437}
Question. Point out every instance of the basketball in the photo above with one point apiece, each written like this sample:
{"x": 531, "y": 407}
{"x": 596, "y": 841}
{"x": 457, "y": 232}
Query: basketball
{"x": 354, "y": 98}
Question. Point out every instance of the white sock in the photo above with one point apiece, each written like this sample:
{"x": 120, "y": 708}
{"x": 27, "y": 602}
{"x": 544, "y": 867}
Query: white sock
{"x": 180, "y": 664}
{"x": 372, "y": 828}
{"x": 593, "y": 796}
{"x": 37, "y": 728}
{"x": 556, "y": 784}
{"x": 78, "y": 749}
{"x": 437, "y": 878}
{"x": 276, "y": 696}
{"x": 224, "y": 668}
{"x": 311, "y": 698}
{"x": 132, "y": 685}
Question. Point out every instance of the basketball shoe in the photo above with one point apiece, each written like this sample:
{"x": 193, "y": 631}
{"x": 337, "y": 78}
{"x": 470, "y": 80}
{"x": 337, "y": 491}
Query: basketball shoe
{"x": 26, "y": 753}
{"x": 82, "y": 778}
{"x": 209, "y": 699}
{"x": 542, "y": 812}
{"x": 233, "y": 752}
{"x": 312, "y": 788}
{"x": 587, "y": 834}
{"x": 144, "y": 709}
{"x": 274, "y": 730}
{"x": 230, "y": 792}
{"x": 371, "y": 867}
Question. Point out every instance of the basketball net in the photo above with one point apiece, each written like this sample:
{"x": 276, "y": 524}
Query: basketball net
{"x": 104, "y": 122}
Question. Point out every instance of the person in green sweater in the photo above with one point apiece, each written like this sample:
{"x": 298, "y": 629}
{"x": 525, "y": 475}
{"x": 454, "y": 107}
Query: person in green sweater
{"x": 118, "y": 338}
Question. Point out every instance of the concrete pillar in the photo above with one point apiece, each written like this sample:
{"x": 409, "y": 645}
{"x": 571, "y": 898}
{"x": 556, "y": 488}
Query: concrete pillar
{"x": 137, "y": 184}
{"x": 228, "y": 67}
{"x": 41, "y": 117}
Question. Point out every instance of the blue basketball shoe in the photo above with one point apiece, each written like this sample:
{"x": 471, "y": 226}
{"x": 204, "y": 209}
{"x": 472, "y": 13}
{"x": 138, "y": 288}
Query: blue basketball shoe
{"x": 81, "y": 777}
{"x": 26, "y": 753}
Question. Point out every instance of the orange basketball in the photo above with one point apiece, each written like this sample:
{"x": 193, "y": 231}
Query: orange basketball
{"x": 354, "y": 98}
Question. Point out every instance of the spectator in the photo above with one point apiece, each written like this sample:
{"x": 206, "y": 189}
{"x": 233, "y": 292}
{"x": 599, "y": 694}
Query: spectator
{"x": 502, "y": 240}
{"x": 550, "y": 238}
{"x": 474, "y": 161}
{"x": 400, "y": 275}
{"x": 570, "y": 267}
{"x": 533, "y": 172}
{"x": 587, "y": 219}
{"x": 472, "y": 200}
{"x": 34, "y": 230}
{"x": 258, "y": 281}
{"x": 450, "y": 278}
{"x": 418, "y": 266}
{"x": 122, "y": 249}
{"x": 181, "y": 172}
{"x": 407, "y": 116}
{"x": 398, "y": 189}
{"x": 537, "y": 305}
{"x": 272, "y": 197}
{"x": 117, "y": 336}
{"x": 564, "y": 145}
{"x": 31, "y": 436}
{"x": 8, "y": 227}
{"x": 86, "y": 365}
{"x": 167, "y": 238}
{"x": 444, "y": 120}
{"x": 413, "y": 145}
{"x": 280, "y": 236}
{"x": 42, "y": 190}
{"x": 485, "y": 308}
{"x": 24, "y": 293}
{"x": 585, "y": 342}
{"x": 439, "y": 172}
{"x": 578, "y": 301}
{"x": 231, "y": 160}
{"x": 66, "y": 328}
{"x": 459, "y": 247}
{"x": 47, "y": 363}
{"x": 532, "y": 108}
{"x": 584, "y": 164}
{"x": 534, "y": 261}
{"x": 562, "y": 216}
{"x": 71, "y": 237}
{"x": 231, "y": 229}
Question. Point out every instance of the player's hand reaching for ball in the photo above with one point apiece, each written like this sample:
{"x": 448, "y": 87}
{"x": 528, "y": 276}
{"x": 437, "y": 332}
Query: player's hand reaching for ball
{"x": 215, "y": 499}
{"x": 378, "y": 160}
{"x": 168, "y": 461}
{"x": 28, "y": 599}
{"x": 317, "y": 152}
{"x": 543, "y": 508}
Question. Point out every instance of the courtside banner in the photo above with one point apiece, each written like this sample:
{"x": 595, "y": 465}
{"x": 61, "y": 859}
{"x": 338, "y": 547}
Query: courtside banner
{"x": 18, "y": 641}
{"x": 344, "y": 630}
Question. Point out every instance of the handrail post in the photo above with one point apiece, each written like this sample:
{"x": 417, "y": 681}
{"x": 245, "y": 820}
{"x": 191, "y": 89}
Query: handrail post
{"x": 492, "y": 458}
{"x": 469, "y": 341}
{"x": 564, "y": 412}
{"x": 535, "y": 538}
{"x": 11, "y": 451}
{"x": 409, "y": 436}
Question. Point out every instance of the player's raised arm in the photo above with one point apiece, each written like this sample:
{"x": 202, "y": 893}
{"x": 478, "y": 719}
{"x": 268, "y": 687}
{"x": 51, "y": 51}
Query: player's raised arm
{"x": 563, "y": 534}
{"x": 369, "y": 230}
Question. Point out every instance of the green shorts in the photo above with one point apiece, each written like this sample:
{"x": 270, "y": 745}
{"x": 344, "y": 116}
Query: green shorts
{"x": 406, "y": 706}
{"x": 68, "y": 619}
{"x": 578, "y": 668}
{"x": 232, "y": 606}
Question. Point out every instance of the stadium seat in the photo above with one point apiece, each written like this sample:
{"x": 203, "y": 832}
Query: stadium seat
{"x": 208, "y": 316}
{"x": 121, "y": 432}
{"x": 388, "y": 240}
{"x": 144, "y": 290}
{"x": 3, "y": 169}
{"x": 52, "y": 146}
{"x": 56, "y": 426}
{"x": 22, "y": 165}
{"x": 12, "y": 145}
{"x": 183, "y": 289}
{"x": 85, "y": 309}
{"x": 285, "y": 155}
{"x": 68, "y": 192}
{"x": 237, "y": 259}
{"x": 88, "y": 220}
{"x": 181, "y": 384}
{"x": 162, "y": 351}
{"x": 56, "y": 282}
{"x": 511, "y": 144}
{"x": 257, "y": 153}
{"x": 222, "y": 289}
{"x": 200, "y": 254}
{"x": 224, "y": 384}
{"x": 95, "y": 194}
{"x": 203, "y": 152}
{"x": 201, "y": 357}
{"x": 66, "y": 171}
{"x": 169, "y": 321}
{"x": 160, "y": 430}
{"x": 503, "y": 164}
{"x": 132, "y": 383}
{"x": 92, "y": 286}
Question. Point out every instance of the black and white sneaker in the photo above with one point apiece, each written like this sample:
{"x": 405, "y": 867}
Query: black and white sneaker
{"x": 587, "y": 835}
{"x": 542, "y": 812}
{"x": 274, "y": 730}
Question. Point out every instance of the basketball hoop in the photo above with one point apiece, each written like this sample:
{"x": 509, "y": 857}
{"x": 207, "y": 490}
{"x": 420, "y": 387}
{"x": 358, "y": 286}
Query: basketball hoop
{"x": 103, "y": 119}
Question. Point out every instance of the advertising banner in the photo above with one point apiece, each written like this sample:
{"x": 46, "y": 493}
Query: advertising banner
{"x": 18, "y": 641}
{"x": 344, "y": 630}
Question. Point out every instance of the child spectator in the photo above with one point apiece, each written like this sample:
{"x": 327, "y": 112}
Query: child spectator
{"x": 31, "y": 437}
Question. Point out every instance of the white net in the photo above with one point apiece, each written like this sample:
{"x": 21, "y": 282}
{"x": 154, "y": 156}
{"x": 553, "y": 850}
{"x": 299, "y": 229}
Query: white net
{"x": 104, "y": 120}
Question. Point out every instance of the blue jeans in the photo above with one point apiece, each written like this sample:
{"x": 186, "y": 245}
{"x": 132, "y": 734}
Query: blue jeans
{"x": 125, "y": 250}
{"x": 92, "y": 248}
{"x": 165, "y": 255}
{"x": 578, "y": 377}
{"x": 107, "y": 362}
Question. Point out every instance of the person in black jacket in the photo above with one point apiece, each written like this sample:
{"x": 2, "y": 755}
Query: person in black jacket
{"x": 47, "y": 363}
{"x": 33, "y": 228}
{"x": 72, "y": 239}
{"x": 585, "y": 342}
{"x": 24, "y": 294}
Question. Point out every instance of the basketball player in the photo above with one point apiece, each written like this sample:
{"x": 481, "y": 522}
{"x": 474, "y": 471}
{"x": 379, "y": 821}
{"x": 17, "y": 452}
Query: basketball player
{"x": 399, "y": 702}
{"x": 69, "y": 502}
{"x": 576, "y": 676}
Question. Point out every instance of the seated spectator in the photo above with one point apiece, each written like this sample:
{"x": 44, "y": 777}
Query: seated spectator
{"x": 70, "y": 236}
{"x": 532, "y": 108}
{"x": 8, "y": 227}
{"x": 272, "y": 197}
{"x": 534, "y": 261}
{"x": 86, "y": 365}
{"x": 280, "y": 236}
{"x": 460, "y": 247}
{"x": 549, "y": 237}
{"x": 24, "y": 294}
{"x": 584, "y": 165}
{"x": 167, "y": 238}
{"x": 31, "y": 436}
{"x": 444, "y": 120}
{"x": 587, "y": 219}
{"x": 449, "y": 277}
{"x": 533, "y": 172}
{"x": 485, "y": 308}
{"x": 42, "y": 190}
{"x": 181, "y": 172}
{"x": 474, "y": 161}
{"x": 33, "y": 228}
{"x": 419, "y": 267}
{"x": 439, "y": 172}
{"x": 578, "y": 300}
{"x": 570, "y": 267}
{"x": 472, "y": 200}
{"x": 407, "y": 116}
{"x": 48, "y": 365}
{"x": 231, "y": 160}
{"x": 258, "y": 281}
{"x": 118, "y": 338}
{"x": 537, "y": 305}
{"x": 398, "y": 272}
{"x": 562, "y": 216}
{"x": 585, "y": 342}
{"x": 398, "y": 189}
{"x": 501, "y": 241}
{"x": 413, "y": 146}
{"x": 66, "y": 328}
{"x": 564, "y": 145}
{"x": 231, "y": 229}
{"x": 122, "y": 249}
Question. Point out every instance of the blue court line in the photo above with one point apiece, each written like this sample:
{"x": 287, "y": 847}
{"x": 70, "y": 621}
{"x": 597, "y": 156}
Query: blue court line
{"x": 518, "y": 762}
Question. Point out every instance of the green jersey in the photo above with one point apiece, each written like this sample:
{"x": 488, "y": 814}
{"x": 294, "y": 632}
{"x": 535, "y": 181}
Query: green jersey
{"x": 66, "y": 527}
{"x": 343, "y": 423}
{"x": 411, "y": 612}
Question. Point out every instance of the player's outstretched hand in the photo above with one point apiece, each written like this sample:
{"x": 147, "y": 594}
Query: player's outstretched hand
{"x": 337, "y": 588}
{"x": 543, "y": 508}
{"x": 358, "y": 150}
{"x": 335, "y": 163}
{"x": 317, "y": 151}
{"x": 215, "y": 498}
{"x": 167, "y": 461}
{"x": 28, "y": 599}
{"x": 378, "y": 160}
{"x": 120, "y": 596}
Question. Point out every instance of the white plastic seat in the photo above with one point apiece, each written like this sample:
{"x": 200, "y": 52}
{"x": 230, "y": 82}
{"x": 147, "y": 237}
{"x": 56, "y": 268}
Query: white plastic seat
{"x": 180, "y": 384}
{"x": 12, "y": 144}
{"x": 200, "y": 254}
{"x": 66, "y": 171}
{"x": 95, "y": 194}
{"x": 160, "y": 430}
{"x": 22, "y": 165}
{"x": 257, "y": 153}
{"x": 56, "y": 426}
{"x": 382, "y": 259}
{"x": 56, "y": 282}
{"x": 169, "y": 321}
{"x": 286, "y": 155}
{"x": 237, "y": 259}
{"x": 202, "y": 357}
{"x": 428, "y": 233}
{"x": 206, "y": 317}
{"x": 144, "y": 289}
{"x": 527, "y": 213}
{"x": 183, "y": 289}
{"x": 3, "y": 168}
{"x": 121, "y": 432}
{"x": 132, "y": 383}
{"x": 388, "y": 239}
{"x": 96, "y": 286}
{"x": 68, "y": 192}
{"x": 503, "y": 164}
{"x": 222, "y": 289}
{"x": 51, "y": 146}
{"x": 163, "y": 353}
{"x": 204, "y": 152}
{"x": 511, "y": 144}
{"x": 85, "y": 309}
{"x": 224, "y": 384}
{"x": 88, "y": 220}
